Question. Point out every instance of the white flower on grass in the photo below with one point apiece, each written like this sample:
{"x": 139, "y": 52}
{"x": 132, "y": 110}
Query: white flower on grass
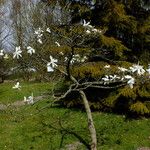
{"x": 28, "y": 100}
{"x": 87, "y": 24}
{"x": 130, "y": 81}
{"x": 2, "y": 52}
{"x": 6, "y": 56}
{"x": 48, "y": 30}
{"x": 30, "y": 50}
{"x": 17, "y": 53}
{"x": 57, "y": 44}
{"x": 122, "y": 69}
{"x": 17, "y": 86}
{"x": 137, "y": 68}
{"x": 107, "y": 66}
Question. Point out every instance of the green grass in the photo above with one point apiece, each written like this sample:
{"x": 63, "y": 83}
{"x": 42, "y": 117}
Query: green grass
{"x": 9, "y": 95}
{"x": 51, "y": 128}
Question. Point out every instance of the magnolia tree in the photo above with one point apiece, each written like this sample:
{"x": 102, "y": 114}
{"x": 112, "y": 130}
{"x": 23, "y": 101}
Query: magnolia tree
{"x": 71, "y": 50}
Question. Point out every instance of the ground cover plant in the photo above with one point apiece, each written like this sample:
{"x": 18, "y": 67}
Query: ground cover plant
{"x": 45, "y": 125}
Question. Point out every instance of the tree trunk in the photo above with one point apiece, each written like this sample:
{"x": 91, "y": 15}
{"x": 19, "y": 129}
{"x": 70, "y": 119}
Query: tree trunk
{"x": 90, "y": 121}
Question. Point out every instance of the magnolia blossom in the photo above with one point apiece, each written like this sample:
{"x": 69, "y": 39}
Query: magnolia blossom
{"x": 29, "y": 100}
{"x": 86, "y": 24}
{"x": 96, "y": 30}
{"x": 39, "y": 41}
{"x": 131, "y": 80}
{"x": 48, "y": 30}
{"x": 137, "y": 68}
{"x": 148, "y": 70}
{"x": 122, "y": 69}
{"x": 2, "y": 52}
{"x": 17, "y": 53}
{"x": 39, "y": 34}
{"x": 106, "y": 79}
{"x": 49, "y": 68}
{"x": 107, "y": 66}
{"x": 30, "y": 50}
{"x": 6, "y": 56}
{"x": 61, "y": 53}
{"x": 17, "y": 86}
{"x": 77, "y": 58}
{"x": 88, "y": 31}
{"x": 57, "y": 44}
{"x": 52, "y": 64}
{"x": 113, "y": 77}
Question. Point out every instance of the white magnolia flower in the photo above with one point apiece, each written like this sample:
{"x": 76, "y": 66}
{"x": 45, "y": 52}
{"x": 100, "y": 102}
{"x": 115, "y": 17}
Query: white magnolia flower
{"x": 17, "y": 53}
{"x": 39, "y": 32}
{"x": 48, "y": 30}
{"x": 122, "y": 69}
{"x": 148, "y": 70}
{"x": 106, "y": 79}
{"x": 137, "y": 68}
{"x": 39, "y": 41}
{"x": 113, "y": 77}
{"x": 29, "y": 100}
{"x": 96, "y": 30}
{"x": 57, "y": 44}
{"x": 2, "y": 52}
{"x": 84, "y": 59}
{"x": 49, "y": 68}
{"x": 61, "y": 53}
{"x": 17, "y": 86}
{"x": 107, "y": 66}
{"x": 30, "y": 50}
{"x": 127, "y": 77}
{"x": 53, "y": 62}
{"x": 131, "y": 82}
{"x": 87, "y": 24}
{"x": 6, "y": 56}
{"x": 88, "y": 31}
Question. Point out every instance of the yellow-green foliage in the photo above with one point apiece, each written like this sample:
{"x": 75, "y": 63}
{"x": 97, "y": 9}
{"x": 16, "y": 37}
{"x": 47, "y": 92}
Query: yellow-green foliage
{"x": 114, "y": 45}
{"x": 139, "y": 108}
{"x": 128, "y": 92}
{"x": 111, "y": 99}
{"x": 93, "y": 70}
{"x": 144, "y": 91}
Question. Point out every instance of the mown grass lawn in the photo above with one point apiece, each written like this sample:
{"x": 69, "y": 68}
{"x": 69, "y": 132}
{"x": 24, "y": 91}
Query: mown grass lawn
{"x": 43, "y": 126}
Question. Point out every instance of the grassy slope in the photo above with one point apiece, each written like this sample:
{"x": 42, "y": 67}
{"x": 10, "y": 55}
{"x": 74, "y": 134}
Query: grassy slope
{"x": 32, "y": 127}
{"x": 9, "y": 95}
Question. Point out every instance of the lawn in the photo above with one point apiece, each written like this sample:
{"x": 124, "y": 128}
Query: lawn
{"x": 44, "y": 126}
